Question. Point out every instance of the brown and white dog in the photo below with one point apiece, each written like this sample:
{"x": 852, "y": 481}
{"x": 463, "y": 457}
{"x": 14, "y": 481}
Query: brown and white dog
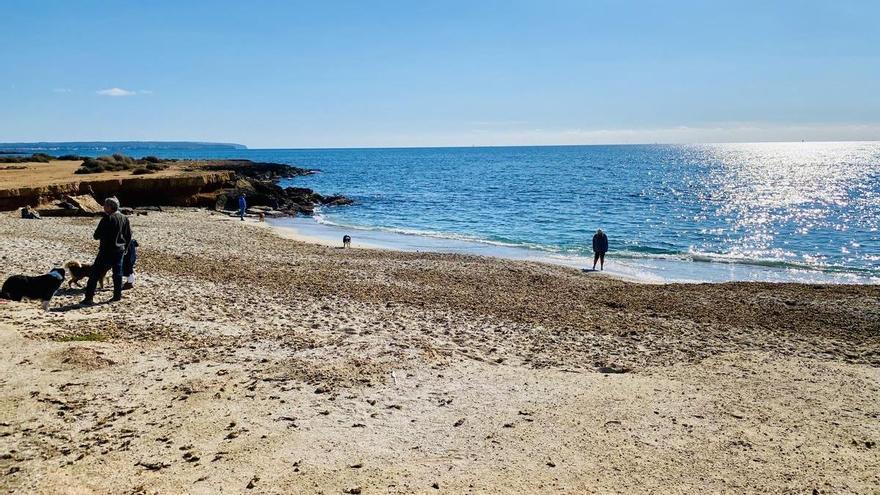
{"x": 79, "y": 271}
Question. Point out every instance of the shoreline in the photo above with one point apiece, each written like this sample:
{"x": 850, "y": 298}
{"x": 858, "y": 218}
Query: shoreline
{"x": 641, "y": 270}
{"x": 292, "y": 228}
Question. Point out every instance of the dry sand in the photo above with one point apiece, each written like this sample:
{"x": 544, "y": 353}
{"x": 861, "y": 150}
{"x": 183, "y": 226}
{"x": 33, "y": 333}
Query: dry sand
{"x": 246, "y": 362}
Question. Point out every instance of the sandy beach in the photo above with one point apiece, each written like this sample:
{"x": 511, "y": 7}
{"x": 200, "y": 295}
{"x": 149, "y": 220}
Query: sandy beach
{"x": 248, "y": 362}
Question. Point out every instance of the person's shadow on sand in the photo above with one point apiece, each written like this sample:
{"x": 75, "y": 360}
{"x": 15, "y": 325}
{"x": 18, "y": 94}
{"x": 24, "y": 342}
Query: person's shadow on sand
{"x": 72, "y": 306}
{"x": 74, "y": 291}
{"x": 70, "y": 291}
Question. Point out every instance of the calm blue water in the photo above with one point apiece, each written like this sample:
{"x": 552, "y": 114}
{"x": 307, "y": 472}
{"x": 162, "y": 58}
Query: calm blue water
{"x": 770, "y": 211}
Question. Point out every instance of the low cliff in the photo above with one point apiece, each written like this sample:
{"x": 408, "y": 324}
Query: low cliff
{"x": 212, "y": 184}
{"x": 183, "y": 189}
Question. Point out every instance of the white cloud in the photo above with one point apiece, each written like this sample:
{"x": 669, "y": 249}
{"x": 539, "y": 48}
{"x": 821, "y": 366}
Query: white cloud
{"x": 61, "y": 90}
{"x": 145, "y": 92}
{"x": 116, "y": 92}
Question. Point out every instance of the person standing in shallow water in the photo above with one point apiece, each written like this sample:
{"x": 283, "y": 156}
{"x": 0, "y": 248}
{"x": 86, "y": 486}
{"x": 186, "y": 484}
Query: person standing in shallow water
{"x": 600, "y": 247}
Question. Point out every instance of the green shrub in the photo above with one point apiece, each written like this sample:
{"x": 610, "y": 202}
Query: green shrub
{"x": 36, "y": 157}
{"x": 119, "y": 162}
{"x": 96, "y": 169}
{"x": 142, "y": 171}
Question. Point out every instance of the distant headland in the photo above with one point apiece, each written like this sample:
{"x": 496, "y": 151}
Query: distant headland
{"x": 110, "y": 145}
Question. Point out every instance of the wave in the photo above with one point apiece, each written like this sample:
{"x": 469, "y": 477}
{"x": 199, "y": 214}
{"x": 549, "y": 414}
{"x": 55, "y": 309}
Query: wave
{"x": 632, "y": 252}
{"x": 728, "y": 258}
{"x": 451, "y": 236}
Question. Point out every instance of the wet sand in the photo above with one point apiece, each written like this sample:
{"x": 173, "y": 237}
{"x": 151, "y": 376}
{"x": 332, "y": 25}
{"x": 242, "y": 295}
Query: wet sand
{"x": 247, "y": 362}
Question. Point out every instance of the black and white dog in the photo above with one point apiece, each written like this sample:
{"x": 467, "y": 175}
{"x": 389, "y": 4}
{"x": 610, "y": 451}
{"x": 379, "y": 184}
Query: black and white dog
{"x": 346, "y": 241}
{"x": 42, "y": 287}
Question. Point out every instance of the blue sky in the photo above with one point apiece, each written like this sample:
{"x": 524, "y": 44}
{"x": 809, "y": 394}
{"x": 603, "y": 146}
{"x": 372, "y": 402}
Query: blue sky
{"x": 356, "y": 73}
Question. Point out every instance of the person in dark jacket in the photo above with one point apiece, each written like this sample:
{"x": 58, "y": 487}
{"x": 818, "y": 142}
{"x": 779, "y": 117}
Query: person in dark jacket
{"x": 114, "y": 234}
{"x": 600, "y": 247}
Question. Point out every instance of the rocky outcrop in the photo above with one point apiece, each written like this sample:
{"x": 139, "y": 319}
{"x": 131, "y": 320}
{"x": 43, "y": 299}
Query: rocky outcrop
{"x": 173, "y": 190}
{"x": 258, "y": 183}
{"x": 211, "y": 184}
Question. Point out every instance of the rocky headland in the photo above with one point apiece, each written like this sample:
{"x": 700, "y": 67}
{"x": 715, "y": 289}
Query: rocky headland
{"x": 54, "y": 187}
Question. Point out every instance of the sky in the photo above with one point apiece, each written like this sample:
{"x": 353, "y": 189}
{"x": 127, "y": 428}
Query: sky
{"x": 276, "y": 74}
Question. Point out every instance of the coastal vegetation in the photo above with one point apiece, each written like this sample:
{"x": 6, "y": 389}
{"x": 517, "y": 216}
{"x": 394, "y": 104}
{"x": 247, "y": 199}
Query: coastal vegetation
{"x": 118, "y": 162}
{"x": 112, "y": 163}
{"x": 36, "y": 157}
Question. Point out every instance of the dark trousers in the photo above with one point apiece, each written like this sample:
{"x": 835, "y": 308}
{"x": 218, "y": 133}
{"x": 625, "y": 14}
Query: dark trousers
{"x": 599, "y": 256}
{"x": 103, "y": 263}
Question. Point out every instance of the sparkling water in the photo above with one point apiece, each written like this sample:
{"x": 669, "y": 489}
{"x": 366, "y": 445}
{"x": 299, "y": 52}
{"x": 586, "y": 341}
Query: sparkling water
{"x": 762, "y": 211}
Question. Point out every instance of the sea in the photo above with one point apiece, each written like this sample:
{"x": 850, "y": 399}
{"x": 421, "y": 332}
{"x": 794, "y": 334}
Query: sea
{"x": 777, "y": 212}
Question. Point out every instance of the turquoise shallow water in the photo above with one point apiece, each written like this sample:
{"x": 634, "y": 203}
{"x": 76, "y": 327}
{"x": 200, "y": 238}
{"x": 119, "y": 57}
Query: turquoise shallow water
{"x": 769, "y": 211}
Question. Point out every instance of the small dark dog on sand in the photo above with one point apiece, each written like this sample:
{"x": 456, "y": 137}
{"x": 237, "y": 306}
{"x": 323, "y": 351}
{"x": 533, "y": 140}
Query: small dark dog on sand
{"x": 346, "y": 241}
{"x": 42, "y": 287}
{"x": 79, "y": 271}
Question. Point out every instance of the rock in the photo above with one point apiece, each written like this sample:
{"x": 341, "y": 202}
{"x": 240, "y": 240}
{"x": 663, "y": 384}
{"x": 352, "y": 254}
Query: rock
{"x": 353, "y": 491}
{"x": 245, "y": 187}
{"x": 252, "y": 483}
{"x": 85, "y": 203}
{"x": 611, "y": 368}
{"x": 153, "y": 466}
{"x": 336, "y": 200}
{"x": 57, "y": 208}
{"x": 71, "y": 206}
{"x": 304, "y": 209}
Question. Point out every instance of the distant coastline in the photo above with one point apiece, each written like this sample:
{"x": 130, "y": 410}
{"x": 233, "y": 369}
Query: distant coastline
{"x": 117, "y": 145}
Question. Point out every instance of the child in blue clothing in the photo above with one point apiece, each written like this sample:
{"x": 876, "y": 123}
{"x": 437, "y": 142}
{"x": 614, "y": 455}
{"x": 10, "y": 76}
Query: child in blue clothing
{"x": 128, "y": 263}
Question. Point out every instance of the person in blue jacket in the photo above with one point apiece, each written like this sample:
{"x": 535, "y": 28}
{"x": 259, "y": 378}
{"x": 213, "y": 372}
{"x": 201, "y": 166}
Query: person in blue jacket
{"x": 600, "y": 247}
{"x": 128, "y": 262}
{"x": 242, "y": 206}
